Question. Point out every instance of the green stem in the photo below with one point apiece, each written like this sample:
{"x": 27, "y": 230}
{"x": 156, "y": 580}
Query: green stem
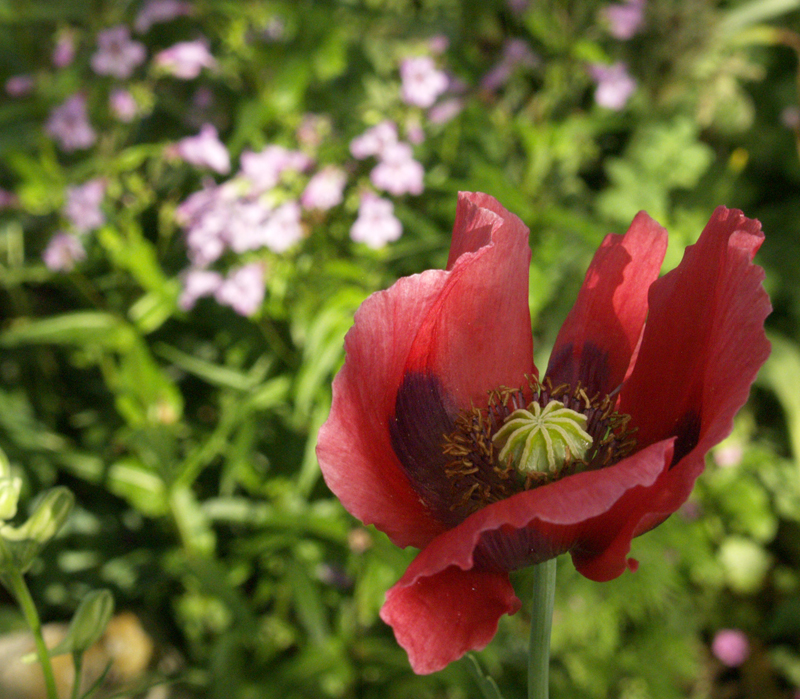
{"x": 77, "y": 663}
{"x": 544, "y": 588}
{"x": 24, "y": 599}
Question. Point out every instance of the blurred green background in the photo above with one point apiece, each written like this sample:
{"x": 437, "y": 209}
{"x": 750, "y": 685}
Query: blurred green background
{"x": 186, "y": 425}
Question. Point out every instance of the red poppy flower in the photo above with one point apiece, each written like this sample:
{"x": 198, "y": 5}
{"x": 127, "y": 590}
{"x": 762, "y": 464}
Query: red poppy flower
{"x": 437, "y": 363}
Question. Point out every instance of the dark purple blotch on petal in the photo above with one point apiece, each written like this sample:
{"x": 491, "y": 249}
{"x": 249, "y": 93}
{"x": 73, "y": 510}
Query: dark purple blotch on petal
{"x": 422, "y": 419}
{"x": 591, "y": 369}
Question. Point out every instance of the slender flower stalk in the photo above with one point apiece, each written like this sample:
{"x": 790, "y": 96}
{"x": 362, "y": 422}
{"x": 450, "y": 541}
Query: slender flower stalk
{"x": 19, "y": 589}
{"x": 544, "y": 588}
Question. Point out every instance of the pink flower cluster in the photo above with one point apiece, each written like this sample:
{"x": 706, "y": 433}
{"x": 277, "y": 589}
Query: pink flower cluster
{"x": 247, "y": 213}
{"x": 82, "y": 210}
{"x": 396, "y": 172}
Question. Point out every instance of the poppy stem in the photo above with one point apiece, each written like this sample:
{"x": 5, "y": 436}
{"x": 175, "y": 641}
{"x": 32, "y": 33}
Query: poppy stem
{"x": 544, "y": 588}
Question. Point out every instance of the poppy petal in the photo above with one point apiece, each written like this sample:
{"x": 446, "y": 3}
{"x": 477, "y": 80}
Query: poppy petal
{"x": 441, "y": 617}
{"x": 702, "y": 346}
{"x": 420, "y": 321}
{"x": 588, "y": 514}
{"x": 600, "y": 334}
{"x": 477, "y": 336}
{"x": 354, "y": 447}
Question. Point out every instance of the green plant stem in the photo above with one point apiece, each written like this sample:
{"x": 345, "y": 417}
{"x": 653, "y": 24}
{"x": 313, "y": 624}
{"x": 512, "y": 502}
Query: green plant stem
{"x": 23, "y": 596}
{"x": 544, "y": 587}
{"x": 77, "y": 663}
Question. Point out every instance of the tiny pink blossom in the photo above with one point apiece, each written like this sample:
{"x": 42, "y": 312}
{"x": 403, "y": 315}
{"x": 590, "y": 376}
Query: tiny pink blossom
{"x": 376, "y": 224}
{"x": 324, "y": 190}
{"x": 64, "y": 50}
{"x": 283, "y": 228}
{"x": 205, "y": 150}
{"x": 312, "y": 130}
{"x": 614, "y": 85}
{"x": 243, "y": 289}
{"x": 20, "y": 85}
{"x": 122, "y": 104}
{"x": 731, "y": 647}
{"x": 422, "y": 82}
{"x": 83, "y": 205}
{"x": 516, "y": 52}
{"x": 63, "y": 252}
{"x": 624, "y": 19}
{"x": 158, "y": 11}
{"x": 69, "y": 125}
{"x": 264, "y": 169}
{"x": 206, "y": 216}
{"x": 248, "y": 225}
{"x": 446, "y": 110}
{"x": 8, "y": 200}
{"x": 373, "y": 141}
{"x": 518, "y": 6}
{"x": 438, "y": 44}
{"x": 186, "y": 59}
{"x": 196, "y": 284}
{"x": 397, "y": 172}
{"x": 728, "y": 455}
{"x": 117, "y": 55}
{"x": 415, "y": 133}
{"x": 790, "y": 117}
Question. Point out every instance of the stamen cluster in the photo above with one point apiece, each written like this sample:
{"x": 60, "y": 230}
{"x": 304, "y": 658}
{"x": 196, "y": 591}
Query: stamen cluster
{"x": 487, "y": 463}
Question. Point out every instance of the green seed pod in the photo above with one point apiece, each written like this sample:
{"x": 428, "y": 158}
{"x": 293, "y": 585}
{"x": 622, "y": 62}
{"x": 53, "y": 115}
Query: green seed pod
{"x": 88, "y": 623}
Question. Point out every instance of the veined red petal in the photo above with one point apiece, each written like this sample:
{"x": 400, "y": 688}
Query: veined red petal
{"x": 600, "y": 334}
{"x": 438, "y": 323}
{"x": 477, "y": 336}
{"x": 702, "y": 346}
{"x": 354, "y": 447}
{"x": 592, "y": 515}
{"x": 441, "y": 617}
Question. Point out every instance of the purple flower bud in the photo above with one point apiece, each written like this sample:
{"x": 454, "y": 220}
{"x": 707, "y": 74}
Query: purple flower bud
{"x": 8, "y": 200}
{"x": 69, "y": 125}
{"x": 117, "y": 55}
{"x": 20, "y": 85}
{"x": 64, "y": 51}
{"x": 376, "y": 224}
{"x": 63, "y": 252}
